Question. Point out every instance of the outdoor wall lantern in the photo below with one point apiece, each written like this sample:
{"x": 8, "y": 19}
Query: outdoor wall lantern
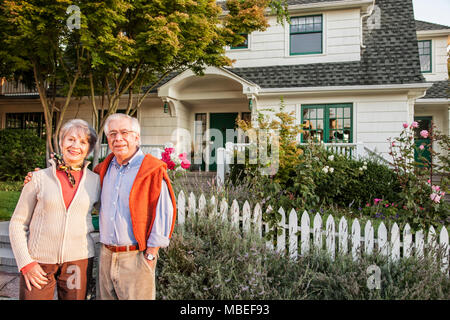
{"x": 250, "y": 104}
{"x": 166, "y": 107}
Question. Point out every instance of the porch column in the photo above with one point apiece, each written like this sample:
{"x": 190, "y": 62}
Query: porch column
{"x": 448, "y": 118}
{"x": 253, "y": 106}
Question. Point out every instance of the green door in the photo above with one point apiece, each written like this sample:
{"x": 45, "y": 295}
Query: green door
{"x": 424, "y": 124}
{"x": 222, "y": 122}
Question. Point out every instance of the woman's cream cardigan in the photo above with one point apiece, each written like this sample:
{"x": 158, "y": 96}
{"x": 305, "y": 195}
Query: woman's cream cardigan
{"x": 43, "y": 230}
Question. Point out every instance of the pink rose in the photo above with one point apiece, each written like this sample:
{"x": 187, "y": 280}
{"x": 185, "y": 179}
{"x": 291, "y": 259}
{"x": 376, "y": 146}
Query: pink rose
{"x": 171, "y": 165}
{"x": 424, "y": 134}
{"x": 182, "y": 156}
{"x": 185, "y": 164}
{"x": 435, "y": 197}
{"x": 405, "y": 125}
{"x": 414, "y": 124}
{"x": 165, "y": 157}
{"x": 422, "y": 147}
{"x": 169, "y": 150}
{"x": 376, "y": 200}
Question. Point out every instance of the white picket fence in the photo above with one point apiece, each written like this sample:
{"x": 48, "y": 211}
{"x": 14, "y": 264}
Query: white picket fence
{"x": 340, "y": 242}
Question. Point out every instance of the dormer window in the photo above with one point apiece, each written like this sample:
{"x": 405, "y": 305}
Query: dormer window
{"x": 425, "y": 56}
{"x": 306, "y": 35}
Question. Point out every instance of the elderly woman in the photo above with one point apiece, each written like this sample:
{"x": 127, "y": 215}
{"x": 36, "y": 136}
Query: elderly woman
{"x": 51, "y": 225}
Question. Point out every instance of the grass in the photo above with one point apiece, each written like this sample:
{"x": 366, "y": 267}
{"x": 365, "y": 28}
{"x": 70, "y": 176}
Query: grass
{"x": 8, "y": 201}
{"x": 9, "y": 195}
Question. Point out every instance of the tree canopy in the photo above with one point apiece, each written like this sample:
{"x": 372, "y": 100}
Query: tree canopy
{"x": 119, "y": 47}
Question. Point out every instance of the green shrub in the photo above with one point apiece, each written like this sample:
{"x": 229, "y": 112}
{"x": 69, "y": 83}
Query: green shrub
{"x": 211, "y": 260}
{"x": 20, "y": 152}
{"x": 11, "y": 185}
{"x": 357, "y": 182}
{"x": 318, "y": 178}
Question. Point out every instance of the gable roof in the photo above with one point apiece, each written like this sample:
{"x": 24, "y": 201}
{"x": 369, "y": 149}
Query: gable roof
{"x": 390, "y": 57}
{"x": 425, "y": 26}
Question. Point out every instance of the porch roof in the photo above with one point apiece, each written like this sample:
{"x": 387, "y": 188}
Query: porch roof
{"x": 426, "y": 26}
{"x": 439, "y": 90}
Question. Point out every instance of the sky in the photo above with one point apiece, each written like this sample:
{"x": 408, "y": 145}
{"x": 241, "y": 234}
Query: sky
{"x": 436, "y": 11}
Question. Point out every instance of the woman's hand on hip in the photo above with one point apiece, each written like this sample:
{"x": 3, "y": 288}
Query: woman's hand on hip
{"x": 36, "y": 276}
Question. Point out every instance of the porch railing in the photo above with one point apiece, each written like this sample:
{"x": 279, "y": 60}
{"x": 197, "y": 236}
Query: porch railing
{"x": 224, "y": 155}
{"x": 350, "y": 150}
{"x": 9, "y": 88}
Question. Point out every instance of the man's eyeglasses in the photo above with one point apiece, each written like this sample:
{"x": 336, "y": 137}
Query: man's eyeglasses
{"x": 123, "y": 133}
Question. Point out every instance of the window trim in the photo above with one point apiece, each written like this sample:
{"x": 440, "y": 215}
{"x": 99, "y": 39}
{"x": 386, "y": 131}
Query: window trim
{"x": 430, "y": 54}
{"x": 321, "y": 36}
{"x": 326, "y": 119}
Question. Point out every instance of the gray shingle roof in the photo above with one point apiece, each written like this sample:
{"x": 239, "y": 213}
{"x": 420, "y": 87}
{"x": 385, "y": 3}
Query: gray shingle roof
{"x": 425, "y": 26}
{"x": 439, "y": 90}
{"x": 390, "y": 57}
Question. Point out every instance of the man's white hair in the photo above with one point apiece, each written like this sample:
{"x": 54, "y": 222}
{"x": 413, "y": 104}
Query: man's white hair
{"x": 135, "y": 126}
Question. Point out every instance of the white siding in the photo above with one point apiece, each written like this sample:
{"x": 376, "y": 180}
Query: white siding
{"x": 341, "y": 42}
{"x": 156, "y": 126}
{"x": 377, "y": 121}
{"x": 439, "y": 58}
{"x": 79, "y": 110}
{"x": 375, "y": 118}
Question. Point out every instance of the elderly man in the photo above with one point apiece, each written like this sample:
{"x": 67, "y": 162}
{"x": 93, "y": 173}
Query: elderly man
{"x": 137, "y": 213}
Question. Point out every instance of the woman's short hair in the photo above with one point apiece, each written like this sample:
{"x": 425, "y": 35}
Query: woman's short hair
{"x": 135, "y": 126}
{"x": 82, "y": 127}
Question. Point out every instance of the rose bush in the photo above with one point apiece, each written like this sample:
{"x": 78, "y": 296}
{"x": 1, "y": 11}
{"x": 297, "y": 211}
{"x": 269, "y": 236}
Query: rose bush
{"x": 175, "y": 164}
{"x": 422, "y": 201}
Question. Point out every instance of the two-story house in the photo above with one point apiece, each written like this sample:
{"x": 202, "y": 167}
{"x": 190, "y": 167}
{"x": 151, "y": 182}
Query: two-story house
{"x": 351, "y": 71}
